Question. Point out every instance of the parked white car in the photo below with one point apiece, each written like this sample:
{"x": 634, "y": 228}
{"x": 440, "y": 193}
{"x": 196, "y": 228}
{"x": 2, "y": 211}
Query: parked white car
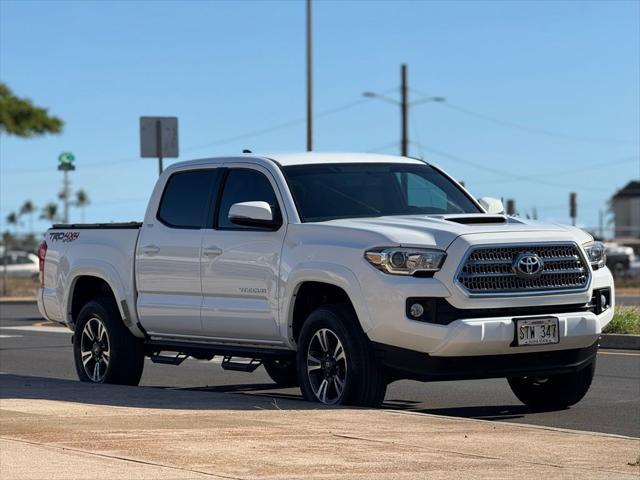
{"x": 19, "y": 264}
{"x": 339, "y": 273}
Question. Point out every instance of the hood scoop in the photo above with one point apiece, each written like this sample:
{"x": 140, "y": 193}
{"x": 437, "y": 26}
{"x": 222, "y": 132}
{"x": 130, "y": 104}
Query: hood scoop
{"x": 480, "y": 219}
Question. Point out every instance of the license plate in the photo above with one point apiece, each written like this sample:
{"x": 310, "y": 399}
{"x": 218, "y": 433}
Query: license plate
{"x": 537, "y": 331}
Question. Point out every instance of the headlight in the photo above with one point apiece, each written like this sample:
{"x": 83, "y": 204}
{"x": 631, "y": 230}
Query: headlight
{"x": 596, "y": 254}
{"x": 405, "y": 261}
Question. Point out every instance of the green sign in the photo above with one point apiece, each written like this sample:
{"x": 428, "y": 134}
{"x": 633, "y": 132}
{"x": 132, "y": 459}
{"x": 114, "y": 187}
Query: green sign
{"x": 66, "y": 157}
{"x": 66, "y": 160}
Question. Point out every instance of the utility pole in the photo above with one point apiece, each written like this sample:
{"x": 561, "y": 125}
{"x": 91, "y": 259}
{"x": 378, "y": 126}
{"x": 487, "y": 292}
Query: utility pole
{"x": 404, "y": 111}
{"x": 309, "y": 82}
{"x": 404, "y": 105}
{"x": 601, "y": 224}
{"x": 65, "y": 192}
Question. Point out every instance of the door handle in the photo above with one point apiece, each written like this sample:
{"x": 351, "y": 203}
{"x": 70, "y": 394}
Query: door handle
{"x": 211, "y": 251}
{"x": 150, "y": 249}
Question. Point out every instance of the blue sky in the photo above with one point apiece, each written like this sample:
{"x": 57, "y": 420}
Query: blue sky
{"x": 568, "y": 72}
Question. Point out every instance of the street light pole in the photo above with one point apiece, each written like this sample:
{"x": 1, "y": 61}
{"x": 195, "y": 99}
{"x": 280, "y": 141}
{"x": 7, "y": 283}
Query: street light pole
{"x": 309, "y": 82}
{"x": 404, "y": 111}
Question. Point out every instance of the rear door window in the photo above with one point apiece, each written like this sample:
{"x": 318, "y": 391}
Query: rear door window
{"x": 187, "y": 198}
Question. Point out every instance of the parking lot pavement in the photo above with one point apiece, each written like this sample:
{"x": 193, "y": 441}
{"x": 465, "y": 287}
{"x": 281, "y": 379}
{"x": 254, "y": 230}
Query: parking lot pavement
{"x": 29, "y": 346}
{"x": 59, "y": 429}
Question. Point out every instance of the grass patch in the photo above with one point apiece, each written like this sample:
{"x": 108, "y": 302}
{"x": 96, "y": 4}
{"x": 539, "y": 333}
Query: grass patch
{"x": 625, "y": 320}
{"x": 19, "y": 287}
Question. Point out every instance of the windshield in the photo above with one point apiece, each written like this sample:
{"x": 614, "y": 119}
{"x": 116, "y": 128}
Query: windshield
{"x": 327, "y": 192}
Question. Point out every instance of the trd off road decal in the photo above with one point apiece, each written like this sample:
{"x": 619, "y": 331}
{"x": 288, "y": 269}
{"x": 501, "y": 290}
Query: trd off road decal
{"x": 64, "y": 236}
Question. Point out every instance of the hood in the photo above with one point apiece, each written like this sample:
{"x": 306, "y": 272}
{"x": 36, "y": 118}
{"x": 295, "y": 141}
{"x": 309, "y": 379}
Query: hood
{"x": 441, "y": 230}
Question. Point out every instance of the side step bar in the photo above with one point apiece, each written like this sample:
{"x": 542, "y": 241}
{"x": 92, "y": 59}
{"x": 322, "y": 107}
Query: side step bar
{"x": 154, "y": 348}
{"x": 167, "y": 360}
{"x": 250, "y": 366}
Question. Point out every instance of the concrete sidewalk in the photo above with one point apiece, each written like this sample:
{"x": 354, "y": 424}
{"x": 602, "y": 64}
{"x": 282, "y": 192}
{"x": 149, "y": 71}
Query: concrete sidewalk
{"x": 58, "y": 429}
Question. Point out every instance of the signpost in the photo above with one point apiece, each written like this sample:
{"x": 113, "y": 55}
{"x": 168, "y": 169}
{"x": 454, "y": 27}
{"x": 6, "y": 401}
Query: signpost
{"x": 65, "y": 164}
{"x": 573, "y": 207}
{"x": 159, "y": 138}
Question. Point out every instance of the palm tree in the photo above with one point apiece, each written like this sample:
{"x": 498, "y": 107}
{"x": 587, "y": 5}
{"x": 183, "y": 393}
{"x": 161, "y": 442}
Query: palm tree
{"x": 82, "y": 200}
{"x": 50, "y": 212}
{"x": 12, "y": 219}
{"x": 28, "y": 208}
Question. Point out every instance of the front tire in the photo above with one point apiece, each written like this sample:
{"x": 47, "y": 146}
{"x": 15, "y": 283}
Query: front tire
{"x": 104, "y": 350}
{"x": 336, "y": 362}
{"x": 555, "y": 391}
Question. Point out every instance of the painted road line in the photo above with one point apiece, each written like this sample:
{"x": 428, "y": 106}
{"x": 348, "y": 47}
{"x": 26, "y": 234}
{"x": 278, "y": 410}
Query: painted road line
{"x": 11, "y": 336}
{"x": 630, "y": 354}
{"x": 39, "y": 329}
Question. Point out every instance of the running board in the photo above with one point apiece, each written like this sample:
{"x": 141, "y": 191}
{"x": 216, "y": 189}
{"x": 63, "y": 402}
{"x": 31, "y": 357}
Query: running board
{"x": 250, "y": 366}
{"x": 177, "y": 359}
{"x": 207, "y": 350}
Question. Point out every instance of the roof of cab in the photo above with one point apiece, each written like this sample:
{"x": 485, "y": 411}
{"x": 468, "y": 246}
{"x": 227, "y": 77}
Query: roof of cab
{"x": 304, "y": 158}
{"x": 315, "y": 158}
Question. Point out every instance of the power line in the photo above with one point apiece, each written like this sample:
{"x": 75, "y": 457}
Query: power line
{"x": 526, "y": 128}
{"x": 280, "y": 126}
{"x": 532, "y": 129}
{"x": 573, "y": 171}
{"x": 222, "y": 141}
{"x": 503, "y": 173}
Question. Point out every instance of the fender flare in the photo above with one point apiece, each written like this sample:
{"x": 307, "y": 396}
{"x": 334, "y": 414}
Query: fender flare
{"x": 107, "y": 273}
{"x": 324, "y": 272}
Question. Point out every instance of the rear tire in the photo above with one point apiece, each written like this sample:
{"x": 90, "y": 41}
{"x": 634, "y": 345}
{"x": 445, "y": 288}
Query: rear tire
{"x": 104, "y": 350}
{"x": 555, "y": 391}
{"x": 336, "y": 361}
{"x": 283, "y": 372}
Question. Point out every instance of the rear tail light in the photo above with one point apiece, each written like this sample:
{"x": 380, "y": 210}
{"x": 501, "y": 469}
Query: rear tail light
{"x": 42, "y": 253}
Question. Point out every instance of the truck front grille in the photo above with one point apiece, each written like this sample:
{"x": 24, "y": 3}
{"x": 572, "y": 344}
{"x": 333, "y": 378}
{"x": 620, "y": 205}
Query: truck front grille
{"x": 492, "y": 270}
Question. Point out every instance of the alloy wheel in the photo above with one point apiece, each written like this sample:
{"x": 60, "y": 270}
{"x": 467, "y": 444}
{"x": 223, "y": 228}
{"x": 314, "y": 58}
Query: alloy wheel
{"x": 95, "y": 349}
{"x": 327, "y": 366}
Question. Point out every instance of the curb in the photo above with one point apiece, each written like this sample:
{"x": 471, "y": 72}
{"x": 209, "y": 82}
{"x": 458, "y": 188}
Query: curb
{"x": 18, "y": 301}
{"x": 619, "y": 341}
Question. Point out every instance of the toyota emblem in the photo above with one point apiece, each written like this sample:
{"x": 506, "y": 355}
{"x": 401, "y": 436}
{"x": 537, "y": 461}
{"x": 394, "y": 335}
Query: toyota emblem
{"x": 528, "y": 265}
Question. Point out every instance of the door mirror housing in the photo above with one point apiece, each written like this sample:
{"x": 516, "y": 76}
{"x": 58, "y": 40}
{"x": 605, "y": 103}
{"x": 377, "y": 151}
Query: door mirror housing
{"x": 253, "y": 214}
{"x": 492, "y": 205}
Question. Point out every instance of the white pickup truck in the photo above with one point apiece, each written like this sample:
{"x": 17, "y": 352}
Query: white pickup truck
{"x": 339, "y": 273}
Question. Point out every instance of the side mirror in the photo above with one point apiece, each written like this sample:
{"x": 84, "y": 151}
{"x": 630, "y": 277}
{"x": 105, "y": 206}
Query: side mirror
{"x": 492, "y": 205}
{"x": 253, "y": 214}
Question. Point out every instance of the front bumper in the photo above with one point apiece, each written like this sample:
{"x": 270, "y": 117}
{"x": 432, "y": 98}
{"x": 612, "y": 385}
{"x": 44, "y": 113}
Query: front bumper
{"x": 480, "y": 335}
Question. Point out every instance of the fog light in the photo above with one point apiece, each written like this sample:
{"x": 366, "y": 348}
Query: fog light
{"x": 604, "y": 304}
{"x": 416, "y": 310}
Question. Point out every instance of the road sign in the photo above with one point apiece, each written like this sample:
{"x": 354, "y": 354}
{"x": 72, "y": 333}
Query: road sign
{"x": 573, "y": 206}
{"x": 159, "y": 137}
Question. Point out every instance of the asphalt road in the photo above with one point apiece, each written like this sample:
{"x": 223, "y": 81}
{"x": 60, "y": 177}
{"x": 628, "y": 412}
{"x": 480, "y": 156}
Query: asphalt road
{"x": 611, "y": 406}
{"x": 628, "y": 300}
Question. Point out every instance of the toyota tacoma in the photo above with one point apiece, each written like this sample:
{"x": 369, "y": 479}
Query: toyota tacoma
{"x": 339, "y": 273}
